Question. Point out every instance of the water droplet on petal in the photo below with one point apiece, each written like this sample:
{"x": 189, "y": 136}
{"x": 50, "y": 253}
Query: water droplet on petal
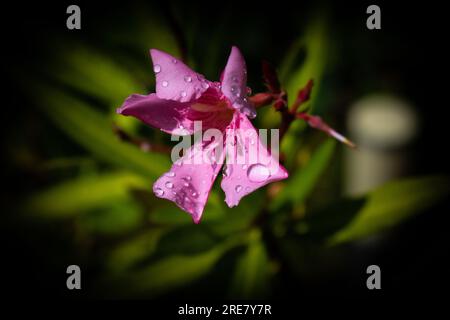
{"x": 238, "y": 188}
{"x": 258, "y": 173}
{"x": 187, "y": 178}
{"x": 170, "y": 174}
{"x": 194, "y": 194}
{"x": 174, "y": 61}
{"x": 159, "y": 192}
{"x": 188, "y": 78}
{"x": 183, "y": 94}
{"x": 165, "y": 83}
{"x": 244, "y": 166}
{"x": 157, "y": 68}
{"x": 247, "y": 189}
{"x": 205, "y": 85}
{"x": 186, "y": 184}
{"x": 169, "y": 185}
{"x": 227, "y": 170}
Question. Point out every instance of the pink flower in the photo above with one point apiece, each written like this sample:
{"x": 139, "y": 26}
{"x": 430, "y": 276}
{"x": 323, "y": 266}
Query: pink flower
{"x": 184, "y": 96}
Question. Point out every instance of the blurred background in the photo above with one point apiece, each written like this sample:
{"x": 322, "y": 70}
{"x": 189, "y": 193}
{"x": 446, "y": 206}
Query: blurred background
{"x": 77, "y": 178}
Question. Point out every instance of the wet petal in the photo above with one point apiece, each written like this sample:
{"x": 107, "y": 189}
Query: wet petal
{"x": 175, "y": 80}
{"x": 167, "y": 115}
{"x": 249, "y": 165}
{"x": 234, "y": 83}
{"x": 190, "y": 179}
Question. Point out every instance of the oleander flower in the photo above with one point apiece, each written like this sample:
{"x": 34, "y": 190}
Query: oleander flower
{"x": 183, "y": 97}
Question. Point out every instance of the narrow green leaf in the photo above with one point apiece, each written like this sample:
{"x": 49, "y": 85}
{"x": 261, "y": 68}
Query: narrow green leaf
{"x": 300, "y": 185}
{"x": 93, "y": 130}
{"x": 295, "y": 75}
{"x": 251, "y": 275}
{"x": 175, "y": 271}
{"x": 96, "y": 74}
{"x": 314, "y": 45}
{"x": 128, "y": 253}
{"x": 392, "y": 203}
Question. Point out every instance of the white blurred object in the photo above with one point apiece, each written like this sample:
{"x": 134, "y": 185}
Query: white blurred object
{"x": 382, "y": 126}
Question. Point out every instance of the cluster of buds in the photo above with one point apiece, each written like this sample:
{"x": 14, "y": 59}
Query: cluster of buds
{"x": 276, "y": 96}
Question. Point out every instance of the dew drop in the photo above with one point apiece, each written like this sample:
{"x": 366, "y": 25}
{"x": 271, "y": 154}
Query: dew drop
{"x": 238, "y": 188}
{"x": 249, "y": 112}
{"x": 157, "y": 68}
{"x": 183, "y": 94}
{"x": 170, "y": 174}
{"x": 186, "y": 184}
{"x": 187, "y": 178}
{"x": 159, "y": 192}
{"x": 227, "y": 170}
{"x": 244, "y": 166}
{"x": 194, "y": 194}
{"x": 165, "y": 83}
{"x": 205, "y": 85}
{"x": 169, "y": 185}
{"x": 258, "y": 173}
{"x": 174, "y": 61}
{"x": 188, "y": 78}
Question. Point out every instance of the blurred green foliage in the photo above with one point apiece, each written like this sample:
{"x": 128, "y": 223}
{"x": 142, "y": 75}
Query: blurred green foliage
{"x": 153, "y": 248}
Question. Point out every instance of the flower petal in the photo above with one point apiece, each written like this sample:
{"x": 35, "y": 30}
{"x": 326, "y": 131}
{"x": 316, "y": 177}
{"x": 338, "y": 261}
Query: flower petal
{"x": 178, "y": 117}
{"x": 167, "y": 115}
{"x": 234, "y": 83}
{"x": 190, "y": 179}
{"x": 249, "y": 164}
{"x": 175, "y": 80}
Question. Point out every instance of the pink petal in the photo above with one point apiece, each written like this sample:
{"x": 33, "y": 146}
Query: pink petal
{"x": 178, "y": 117}
{"x": 234, "y": 83}
{"x": 190, "y": 179}
{"x": 169, "y": 116}
{"x": 175, "y": 80}
{"x": 252, "y": 166}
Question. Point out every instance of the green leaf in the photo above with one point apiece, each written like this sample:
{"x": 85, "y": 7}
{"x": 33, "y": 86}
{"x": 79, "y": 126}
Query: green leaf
{"x": 251, "y": 276}
{"x": 95, "y": 74}
{"x": 93, "y": 130}
{"x": 301, "y": 184}
{"x": 392, "y": 203}
{"x": 295, "y": 75}
{"x": 114, "y": 218}
{"x": 82, "y": 194}
{"x": 314, "y": 45}
{"x": 128, "y": 253}
{"x": 174, "y": 271}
